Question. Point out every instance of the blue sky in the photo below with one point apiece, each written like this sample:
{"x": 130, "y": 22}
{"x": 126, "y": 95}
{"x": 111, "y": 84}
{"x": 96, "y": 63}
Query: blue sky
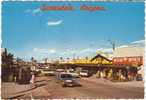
{"x": 27, "y": 31}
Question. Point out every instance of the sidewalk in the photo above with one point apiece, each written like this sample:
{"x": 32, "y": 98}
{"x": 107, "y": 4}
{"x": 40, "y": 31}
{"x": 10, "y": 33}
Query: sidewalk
{"x": 39, "y": 92}
{"x": 134, "y": 84}
{"x": 11, "y": 89}
{"x": 14, "y": 90}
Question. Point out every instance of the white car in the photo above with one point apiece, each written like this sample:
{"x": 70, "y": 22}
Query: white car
{"x": 38, "y": 70}
{"x": 84, "y": 73}
{"x": 74, "y": 74}
{"x": 60, "y": 70}
{"x": 47, "y": 72}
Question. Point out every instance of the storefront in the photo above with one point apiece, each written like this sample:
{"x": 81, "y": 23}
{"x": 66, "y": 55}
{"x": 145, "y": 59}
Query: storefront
{"x": 132, "y": 58}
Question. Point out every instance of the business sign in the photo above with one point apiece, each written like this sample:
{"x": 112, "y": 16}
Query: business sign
{"x": 138, "y": 60}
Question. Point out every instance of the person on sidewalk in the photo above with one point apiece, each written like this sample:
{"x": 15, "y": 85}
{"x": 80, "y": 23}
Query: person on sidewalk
{"x": 32, "y": 80}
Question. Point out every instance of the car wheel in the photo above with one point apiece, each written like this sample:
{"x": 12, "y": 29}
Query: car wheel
{"x": 63, "y": 85}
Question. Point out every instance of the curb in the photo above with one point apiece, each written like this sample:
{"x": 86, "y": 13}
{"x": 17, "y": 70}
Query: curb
{"x": 19, "y": 94}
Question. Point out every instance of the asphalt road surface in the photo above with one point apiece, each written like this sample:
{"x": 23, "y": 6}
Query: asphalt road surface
{"x": 90, "y": 90}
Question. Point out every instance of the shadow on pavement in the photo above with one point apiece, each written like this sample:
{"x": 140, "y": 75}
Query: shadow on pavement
{"x": 36, "y": 86}
{"x": 27, "y": 90}
{"x": 17, "y": 96}
{"x": 40, "y": 85}
{"x": 22, "y": 93}
{"x": 42, "y": 81}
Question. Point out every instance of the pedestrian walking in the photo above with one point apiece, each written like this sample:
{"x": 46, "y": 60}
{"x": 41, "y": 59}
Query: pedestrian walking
{"x": 98, "y": 74}
{"x": 110, "y": 73}
{"x": 32, "y": 80}
{"x": 101, "y": 74}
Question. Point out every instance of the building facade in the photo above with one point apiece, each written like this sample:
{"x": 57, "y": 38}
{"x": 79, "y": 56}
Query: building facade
{"x": 133, "y": 56}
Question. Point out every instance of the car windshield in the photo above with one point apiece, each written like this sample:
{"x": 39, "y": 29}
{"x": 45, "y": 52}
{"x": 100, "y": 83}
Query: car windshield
{"x": 59, "y": 70}
{"x": 66, "y": 76}
{"x": 71, "y": 71}
{"x": 47, "y": 70}
{"x": 84, "y": 71}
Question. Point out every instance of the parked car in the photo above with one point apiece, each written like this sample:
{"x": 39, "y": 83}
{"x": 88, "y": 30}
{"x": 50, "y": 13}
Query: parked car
{"x": 85, "y": 73}
{"x": 48, "y": 72}
{"x": 60, "y": 70}
{"x": 67, "y": 80}
{"x": 139, "y": 77}
{"x": 74, "y": 74}
{"x": 38, "y": 72}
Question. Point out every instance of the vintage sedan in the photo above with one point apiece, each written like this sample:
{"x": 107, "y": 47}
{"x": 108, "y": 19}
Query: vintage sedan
{"x": 68, "y": 80}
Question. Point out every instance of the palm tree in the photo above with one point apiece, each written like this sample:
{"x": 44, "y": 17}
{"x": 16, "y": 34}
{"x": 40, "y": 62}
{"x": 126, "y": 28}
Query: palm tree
{"x": 7, "y": 58}
{"x": 7, "y": 65}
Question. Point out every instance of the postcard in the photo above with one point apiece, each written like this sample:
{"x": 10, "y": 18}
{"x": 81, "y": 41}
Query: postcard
{"x": 72, "y": 49}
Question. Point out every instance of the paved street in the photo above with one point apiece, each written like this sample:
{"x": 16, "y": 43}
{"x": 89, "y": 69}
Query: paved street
{"x": 89, "y": 89}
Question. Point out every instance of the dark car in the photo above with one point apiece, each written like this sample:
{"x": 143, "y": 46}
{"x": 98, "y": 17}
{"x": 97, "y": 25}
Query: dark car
{"x": 67, "y": 80}
{"x": 139, "y": 77}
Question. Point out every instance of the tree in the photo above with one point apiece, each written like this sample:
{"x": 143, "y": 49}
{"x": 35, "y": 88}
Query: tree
{"x": 7, "y": 58}
{"x": 7, "y": 65}
{"x": 32, "y": 59}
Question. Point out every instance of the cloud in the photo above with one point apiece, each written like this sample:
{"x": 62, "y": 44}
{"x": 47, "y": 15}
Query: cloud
{"x": 123, "y": 46}
{"x": 44, "y": 51}
{"x": 34, "y": 12}
{"x": 54, "y": 23}
{"x": 52, "y": 51}
{"x": 138, "y": 42}
{"x": 90, "y": 52}
{"x": 78, "y": 52}
{"x": 87, "y": 50}
{"x": 82, "y": 53}
{"x": 108, "y": 50}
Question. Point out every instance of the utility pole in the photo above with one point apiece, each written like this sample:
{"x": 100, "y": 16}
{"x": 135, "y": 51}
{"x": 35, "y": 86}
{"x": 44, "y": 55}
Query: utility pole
{"x": 46, "y": 60}
{"x": 113, "y": 43}
{"x": 74, "y": 56}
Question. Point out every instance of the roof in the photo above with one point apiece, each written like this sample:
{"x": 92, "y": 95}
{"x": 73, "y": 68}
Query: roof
{"x": 128, "y": 52}
{"x": 100, "y": 56}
